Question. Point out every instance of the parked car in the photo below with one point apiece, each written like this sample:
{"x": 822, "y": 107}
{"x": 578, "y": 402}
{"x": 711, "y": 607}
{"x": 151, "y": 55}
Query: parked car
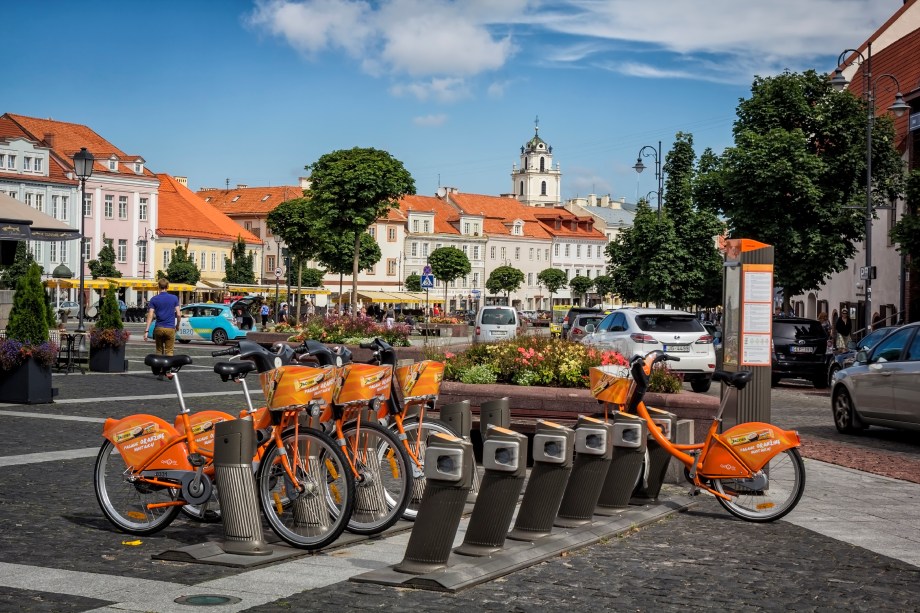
{"x": 635, "y": 331}
{"x": 570, "y": 316}
{"x": 496, "y": 323}
{"x": 846, "y": 358}
{"x": 584, "y": 323}
{"x": 800, "y": 350}
{"x": 883, "y": 386}
{"x": 72, "y": 308}
{"x": 208, "y": 321}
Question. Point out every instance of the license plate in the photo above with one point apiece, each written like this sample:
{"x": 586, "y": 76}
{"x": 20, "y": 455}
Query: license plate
{"x": 677, "y": 348}
{"x": 797, "y": 349}
{"x": 498, "y": 333}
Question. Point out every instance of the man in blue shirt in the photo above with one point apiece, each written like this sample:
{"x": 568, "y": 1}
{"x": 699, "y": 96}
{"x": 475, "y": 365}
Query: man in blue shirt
{"x": 165, "y": 307}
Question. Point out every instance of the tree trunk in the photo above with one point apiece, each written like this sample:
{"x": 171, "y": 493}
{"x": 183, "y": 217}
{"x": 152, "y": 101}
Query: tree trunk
{"x": 341, "y": 276}
{"x": 354, "y": 274}
{"x": 444, "y": 310}
{"x": 299, "y": 283}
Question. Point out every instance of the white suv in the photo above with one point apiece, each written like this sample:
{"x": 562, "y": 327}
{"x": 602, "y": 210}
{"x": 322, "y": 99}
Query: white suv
{"x": 638, "y": 331}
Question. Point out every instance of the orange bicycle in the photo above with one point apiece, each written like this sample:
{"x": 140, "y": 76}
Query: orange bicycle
{"x": 753, "y": 469}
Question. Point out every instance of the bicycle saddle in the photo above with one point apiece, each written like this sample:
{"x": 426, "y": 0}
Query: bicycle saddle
{"x": 233, "y": 370}
{"x": 161, "y": 364}
{"x": 734, "y": 379}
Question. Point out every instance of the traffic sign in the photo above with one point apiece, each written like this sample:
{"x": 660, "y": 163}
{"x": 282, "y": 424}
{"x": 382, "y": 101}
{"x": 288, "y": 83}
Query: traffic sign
{"x": 475, "y": 293}
{"x": 867, "y": 272}
{"x": 278, "y": 272}
{"x": 427, "y": 281}
{"x": 426, "y": 270}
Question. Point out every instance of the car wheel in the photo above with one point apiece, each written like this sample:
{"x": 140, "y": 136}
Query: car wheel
{"x": 184, "y": 341}
{"x": 774, "y": 381}
{"x": 835, "y": 368}
{"x": 702, "y": 385}
{"x": 844, "y": 414}
{"x": 219, "y": 337}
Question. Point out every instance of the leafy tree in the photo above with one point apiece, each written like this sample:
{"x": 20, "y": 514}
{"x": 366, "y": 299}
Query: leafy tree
{"x": 312, "y": 277}
{"x": 296, "y": 222}
{"x": 336, "y": 256}
{"x": 553, "y": 280}
{"x": 797, "y": 165}
{"x": 906, "y": 233}
{"x": 604, "y": 285}
{"x": 413, "y": 283}
{"x": 641, "y": 274}
{"x": 448, "y": 264}
{"x": 239, "y": 266}
{"x": 351, "y": 188}
{"x": 581, "y": 285}
{"x": 698, "y": 272}
{"x": 28, "y": 300}
{"x": 181, "y": 268}
{"x": 505, "y": 279}
{"x": 18, "y": 269}
{"x": 105, "y": 265}
{"x": 109, "y": 313}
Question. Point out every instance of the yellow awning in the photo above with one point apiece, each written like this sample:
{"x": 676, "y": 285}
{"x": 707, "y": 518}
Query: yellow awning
{"x": 134, "y": 283}
{"x": 270, "y": 289}
{"x": 75, "y": 283}
{"x": 181, "y": 287}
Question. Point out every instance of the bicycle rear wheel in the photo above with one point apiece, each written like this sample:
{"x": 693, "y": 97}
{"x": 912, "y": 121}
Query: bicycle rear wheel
{"x": 385, "y": 482}
{"x": 759, "y": 500}
{"x": 125, "y": 503}
{"x": 417, "y": 439}
{"x": 316, "y": 516}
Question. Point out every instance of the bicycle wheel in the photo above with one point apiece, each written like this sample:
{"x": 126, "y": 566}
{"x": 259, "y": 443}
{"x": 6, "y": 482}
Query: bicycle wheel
{"x": 385, "y": 477}
{"x": 417, "y": 439}
{"x": 125, "y": 503}
{"x": 316, "y": 516}
{"x": 763, "y": 500}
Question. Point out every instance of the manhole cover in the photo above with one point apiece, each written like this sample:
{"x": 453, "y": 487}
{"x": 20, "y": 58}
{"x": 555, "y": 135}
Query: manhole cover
{"x": 206, "y": 600}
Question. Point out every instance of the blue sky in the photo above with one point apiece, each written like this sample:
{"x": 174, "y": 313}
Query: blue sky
{"x": 254, "y": 90}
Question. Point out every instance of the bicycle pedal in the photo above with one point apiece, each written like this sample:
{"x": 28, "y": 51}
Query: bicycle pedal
{"x": 196, "y": 459}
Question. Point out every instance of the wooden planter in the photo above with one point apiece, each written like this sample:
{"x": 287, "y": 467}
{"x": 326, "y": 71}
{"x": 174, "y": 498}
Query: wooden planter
{"x": 28, "y": 383}
{"x": 107, "y": 359}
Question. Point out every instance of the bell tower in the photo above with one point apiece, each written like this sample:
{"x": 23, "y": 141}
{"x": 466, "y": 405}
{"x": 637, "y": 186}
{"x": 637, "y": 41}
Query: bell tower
{"x": 537, "y": 182}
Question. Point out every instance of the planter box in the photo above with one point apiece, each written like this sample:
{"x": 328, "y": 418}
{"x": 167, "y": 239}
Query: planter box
{"x": 108, "y": 359}
{"x": 28, "y": 383}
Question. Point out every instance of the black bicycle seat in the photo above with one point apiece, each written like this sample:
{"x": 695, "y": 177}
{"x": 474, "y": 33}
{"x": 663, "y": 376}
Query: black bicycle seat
{"x": 233, "y": 370}
{"x": 733, "y": 379}
{"x": 161, "y": 364}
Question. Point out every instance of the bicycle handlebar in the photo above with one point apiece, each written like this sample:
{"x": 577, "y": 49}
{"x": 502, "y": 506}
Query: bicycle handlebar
{"x": 637, "y": 367}
{"x": 222, "y": 352}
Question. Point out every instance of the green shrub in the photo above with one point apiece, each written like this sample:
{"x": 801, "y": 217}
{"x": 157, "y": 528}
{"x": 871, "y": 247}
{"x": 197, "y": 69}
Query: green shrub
{"x": 28, "y": 301}
{"x": 109, "y": 314}
{"x": 480, "y": 374}
{"x": 664, "y": 381}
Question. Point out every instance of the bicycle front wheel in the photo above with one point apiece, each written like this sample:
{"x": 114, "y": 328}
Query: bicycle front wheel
{"x": 384, "y": 477}
{"x": 314, "y": 516}
{"x": 126, "y": 503}
{"x": 417, "y": 440}
{"x": 766, "y": 498}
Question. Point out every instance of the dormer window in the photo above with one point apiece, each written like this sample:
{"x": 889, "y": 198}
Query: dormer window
{"x": 266, "y": 197}
{"x": 39, "y": 165}
{"x": 518, "y": 228}
{"x": 138, "y": 167}
{"x": 235, "y": 198}
{"x": 113, "y": 165}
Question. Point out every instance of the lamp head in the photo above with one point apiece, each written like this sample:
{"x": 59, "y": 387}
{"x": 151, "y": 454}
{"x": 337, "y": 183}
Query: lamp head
{"x": 639, "y": 167}
{"x": 899, "y": 107}
{"x": 83, "y": 163}
{"x": 838, "y": 81}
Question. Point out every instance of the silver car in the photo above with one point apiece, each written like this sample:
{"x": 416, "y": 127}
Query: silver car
{"x": 496, "y": 323}
{"x": 883, "y": 387}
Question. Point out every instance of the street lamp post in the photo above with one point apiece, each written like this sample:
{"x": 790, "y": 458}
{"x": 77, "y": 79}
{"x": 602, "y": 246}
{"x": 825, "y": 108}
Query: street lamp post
{"x": 83, "y": 168}
{"x": 899, "y": 107}
{"x": 143, "y": 242}
{"x": 277, "y": 276}
{"x": 639, "y": 167}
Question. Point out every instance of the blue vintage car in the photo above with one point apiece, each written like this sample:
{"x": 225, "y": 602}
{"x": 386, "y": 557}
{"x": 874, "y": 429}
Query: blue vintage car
{"x": 208, "y": 321}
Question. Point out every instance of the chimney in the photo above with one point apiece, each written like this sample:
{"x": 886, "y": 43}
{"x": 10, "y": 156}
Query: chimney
{"x": 304, "y": 182}
{"x": 183, "y": 181}
{"x": 49, "y": 139}
{"x": 241, "y": 186}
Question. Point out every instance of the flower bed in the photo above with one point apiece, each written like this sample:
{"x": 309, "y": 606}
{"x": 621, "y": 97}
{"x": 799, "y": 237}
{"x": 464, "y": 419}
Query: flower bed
{"x": 14, "y": 353}
{"x": 342, "y": 329}
{"x": 107, "y": 337}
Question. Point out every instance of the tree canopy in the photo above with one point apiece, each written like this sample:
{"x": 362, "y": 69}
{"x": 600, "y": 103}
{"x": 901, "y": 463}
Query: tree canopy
{"x": 581, "y": 285}
{"x": 239, "y": 267}
{"x": 181, "y": 268}
{"x": 505, "y": 279}
{"x": 414, "y": 283}
{"x": 448, "y": 264}
{"x": 553, "y": 280}
{"x": 351, "y": 188}
{"x": 28, "y": 301}
{"x": 604, "y": 285}
{"x": 104, "y": 266}
{"x": 22, "y": 260}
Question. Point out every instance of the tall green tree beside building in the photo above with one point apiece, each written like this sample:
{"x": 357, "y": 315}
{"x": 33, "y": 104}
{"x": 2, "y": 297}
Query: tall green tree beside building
{"x": 240, "y": 266}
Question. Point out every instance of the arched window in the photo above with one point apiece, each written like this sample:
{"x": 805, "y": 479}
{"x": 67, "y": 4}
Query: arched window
{"x": 522, "y": 188}
{"x": 543, "y": 188}
{"x": 542, "y": 165}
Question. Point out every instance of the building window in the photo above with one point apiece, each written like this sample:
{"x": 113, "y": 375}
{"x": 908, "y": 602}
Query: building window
{"x": 372, "y": 270}
{"x": 391, "y": 267}
{"x": 167, "y": 256}
{"x": 11, "y": 162}
{"x": 556, "y": 250}
{"x": 247, "y": 225}
{"x": 531, "y": 253}
{"x": 54, "y": 206}
{"x": 122, "y": 207}
{"x": 466, "y": 250}
{"x": 589, "y": 251}
{"x": 37, "y": 250}
{"x": 391, "y": 235}
{"x": 109, "y": 207}
{"x": 466, "y": 282}
{"x": 475, "y": 279}
{"x": 113, "y": 165}
{"x": 466, "y": 228}
{"x": 88, "y": 249}
{"x": 475, "y": 252}
{"x": 142, "y": 252}
{"x": 426, "y": 226}
{"x": 530, "y": 279}
{"x": 270, "y": 262}
{"x": 63, "y": 252}
{"x": 64, "y": 204}
{"x": 2, "y": 160}
{"x": 568, "y": 249}
{"x": 542, "y": 187}
{"x": 142, "y": 210}
{"x": 40, "y": 202}
{"x": 538, "y": 255}
{"x": 191, "y": 256}
{"x": 122, "y": 250}
{"x": 88, "y": 205}
{"x": 424, "y": 250}
{"x": 373, "y": 232}
{"x": 52, "y": 251}
{"x": 504, "y": 253}
{"x": 577, "y": 251}
{"x": 29, "y": 199}
{"x": 543, "y": 169}
{"x": 547, "y": 254}
{"x": 415, "y": 225}
{"x": 413, "y": 249}
{"x": 521, "y": 189}
{"x": 204, "y": 260}
{"x": 26, "y": 164}
{"x": 568, "y": 273}
{"x": 517, "y": 253}
{"x": 492, "y": 252}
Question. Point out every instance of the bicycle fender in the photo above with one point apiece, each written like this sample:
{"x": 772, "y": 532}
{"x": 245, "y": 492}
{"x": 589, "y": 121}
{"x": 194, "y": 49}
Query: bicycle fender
{"x": 141, "y": 440}
{"x": 753, "y": 443}
{"x": 203, "y": 425}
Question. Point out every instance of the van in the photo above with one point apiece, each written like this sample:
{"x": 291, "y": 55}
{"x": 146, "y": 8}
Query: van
{"x": 496, "y": 323}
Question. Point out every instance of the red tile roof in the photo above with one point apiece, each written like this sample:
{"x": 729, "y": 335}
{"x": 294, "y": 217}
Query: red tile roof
{"x": 57, "y": 172}
{"x": 499, "y": 214}
{"x": 444, "y": 214}
{"x": 68, "y": 138}
{"x": 182, "y": 214}
{"x": 251, "y": 201}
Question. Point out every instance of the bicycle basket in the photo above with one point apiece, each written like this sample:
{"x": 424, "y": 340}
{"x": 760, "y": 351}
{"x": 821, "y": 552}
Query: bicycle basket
{"x": 420, "y": 380}
{"x": 610, "y": 383}
{"x": 290, "y": 386}
{"x": 364, "y": 382}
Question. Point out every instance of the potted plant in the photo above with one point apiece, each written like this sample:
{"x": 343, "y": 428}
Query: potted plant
{"x": 26, "y": 354}
{"x": 108, "y": 337}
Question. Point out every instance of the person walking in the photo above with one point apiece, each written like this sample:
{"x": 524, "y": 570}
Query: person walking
{"x": 390, "y": 317}
{"x": 164, "y": 308}
{"x": 844, "y": 329}
{"x": 263, "y": 311}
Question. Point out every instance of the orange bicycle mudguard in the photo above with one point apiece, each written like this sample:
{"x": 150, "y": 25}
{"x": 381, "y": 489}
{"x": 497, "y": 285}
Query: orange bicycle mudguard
{"x": 140, "y": 438}
{"x": 746, "y": 448}
{"x": 203, "y": 425}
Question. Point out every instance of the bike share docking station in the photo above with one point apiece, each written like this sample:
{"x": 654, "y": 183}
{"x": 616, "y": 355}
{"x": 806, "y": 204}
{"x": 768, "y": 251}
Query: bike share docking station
{"x": 648, "y": 488}
{"x": 559, "y": 484}
{"x": 459, "y": 416}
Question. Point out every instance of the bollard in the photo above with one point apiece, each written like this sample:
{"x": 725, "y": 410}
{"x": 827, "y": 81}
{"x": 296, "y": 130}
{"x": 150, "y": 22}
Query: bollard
{"x": 658, "y": 459}
{"x": 447, "y": 462}
{"x": 504, "y": 457}
{"x": 594, "y": 450}
{"x": 553, "y": 449}
{"x": 458, "y": 416}
{"x": 629, "y": 444}
{"x": 494, "y": 413}
{"x": 234, "y": 446}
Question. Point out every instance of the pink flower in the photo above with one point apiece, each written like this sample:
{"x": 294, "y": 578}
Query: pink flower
{"x": 449, "y": 355}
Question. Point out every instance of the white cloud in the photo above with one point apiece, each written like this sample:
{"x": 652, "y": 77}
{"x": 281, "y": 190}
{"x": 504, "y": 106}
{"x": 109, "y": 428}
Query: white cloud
{"x": 439, "y": 89}
{"x": 315, "y": 26}
{"x": 497, "y": 89}
{"x": 429, "y": 121}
